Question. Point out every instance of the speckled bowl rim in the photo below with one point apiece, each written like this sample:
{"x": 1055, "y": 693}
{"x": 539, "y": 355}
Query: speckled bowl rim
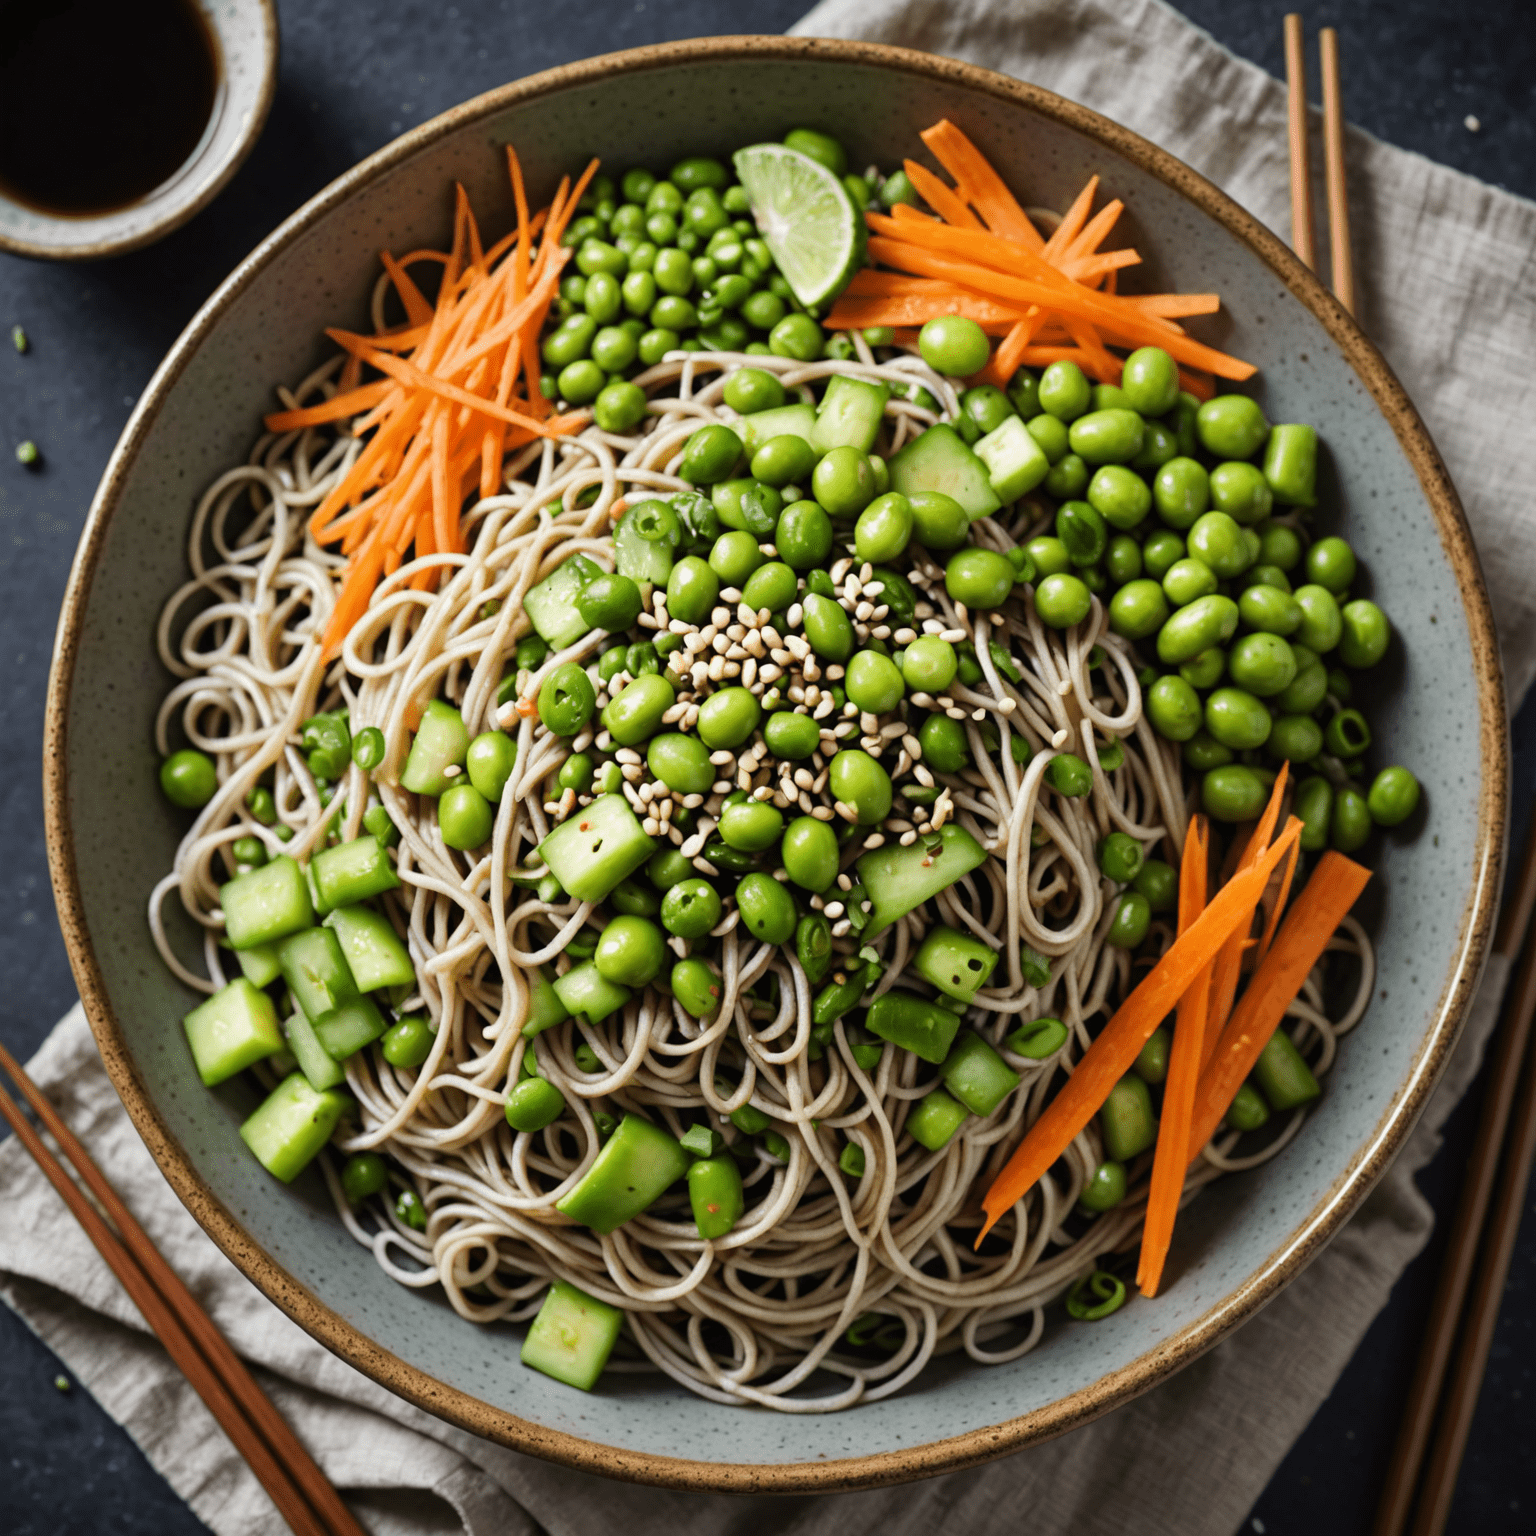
{"x": 1295, "y": 1250}
{"x": 178, "y": 212}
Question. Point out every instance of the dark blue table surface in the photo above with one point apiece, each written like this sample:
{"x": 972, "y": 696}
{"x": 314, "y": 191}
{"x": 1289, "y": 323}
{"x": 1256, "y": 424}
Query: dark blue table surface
{"x": 353, "y": 76}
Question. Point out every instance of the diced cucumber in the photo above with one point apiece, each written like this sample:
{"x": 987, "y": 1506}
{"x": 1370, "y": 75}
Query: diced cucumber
{"x": 1015, "y": 462}
{"x": 441, "y": 742}
{"x": 585, "y": 990}
{"x": 319, "y": 1067}
{"x": 639, "y": 558}
{"x": 374, "y": 953}
{"x": 899, "y": 879}
{"x": 850, "y": 415}
{"x": 291, "y": 1127}
{"x": 913, "y": 1023}
{"x": 938, "y": 460}
{"x": 347, "y": 1028}
{"x": 782, "y": 421}
{"x": 632, "y": 1171}
{"x": 958, "y": 964}
{"x": 977, "y": 1075}
{"x": 351, "y": 872}
{"x": 572, "y": 1336}
{"x": 266, "y": 904}
{"x": 259, "y": 964}
{"x": 595, "y": 848}
{"x": 551, "y": 605}
{"x": 934, "y": 1119}
{"x": 235, "y": 1027}
{"x": 316, "y": 971}
{"x": 545, "y": 1009}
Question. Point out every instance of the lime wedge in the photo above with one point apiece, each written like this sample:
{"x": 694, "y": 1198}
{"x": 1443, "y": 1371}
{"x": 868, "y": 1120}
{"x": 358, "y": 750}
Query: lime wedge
{"x": 806, "y": 219}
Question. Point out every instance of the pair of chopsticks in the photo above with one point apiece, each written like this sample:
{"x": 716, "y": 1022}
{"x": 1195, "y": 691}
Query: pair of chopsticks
{"x": 1302, "y": 241}
{"x": 300, "y": 1490}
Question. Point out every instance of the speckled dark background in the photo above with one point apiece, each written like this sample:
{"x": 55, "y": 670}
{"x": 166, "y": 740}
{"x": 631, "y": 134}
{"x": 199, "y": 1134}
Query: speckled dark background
{"x": 354, "y": 75}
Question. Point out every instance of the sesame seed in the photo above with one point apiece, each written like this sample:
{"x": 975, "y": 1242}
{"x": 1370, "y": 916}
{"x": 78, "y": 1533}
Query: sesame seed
{"x": 821, "y": 812}
{"x": 881, "y": 632}
{"x": 730, "y": 594}
{"x": 844, "y": 883}
{"x": 722, "y": 758}
{"x": 648, "y": 792}
{"x": 868, "y": 722}
{"x": 818, "y": 905}
{"x": 836, "y": 674}
{"x": 923, "y": 700}
{"x": 905, "y": 636}
{"x": 863, "y": 611}
{"x": 840, "y": 929}
{"x": 922, "y": 776}
{"x": 978, "y": 714}
{"x": 718, "y": 619}
{"x": 846, "y": 811}
{"x": 679, "y": 626}
{"x": 772, "y": 636}
{"x": 452, "y": 771}
{"x": 840, "y": 570}
{"x": 833, "y": 908}
{"x": 908, "y": 838}
{"x": 673, "y": 713}
{"x": 811, "y": 670}
{"x": 1059, "y": 738}
{"x": 932, "y": 627}
{"x": 704, "y": 867}
{"x": 632, "y": 771}
{"x": 691, "y": 718}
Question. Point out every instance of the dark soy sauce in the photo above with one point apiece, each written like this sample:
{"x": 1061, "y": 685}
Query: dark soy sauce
{"x": 100, "y": 100}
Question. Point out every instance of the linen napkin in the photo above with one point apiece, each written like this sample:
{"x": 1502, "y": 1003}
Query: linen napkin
{"x": 1443, "y": 269}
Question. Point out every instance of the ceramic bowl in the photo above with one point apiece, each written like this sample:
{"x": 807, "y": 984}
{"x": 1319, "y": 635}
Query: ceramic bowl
{"x": 1441, "y": 709}
{"x": 245, "y": 35}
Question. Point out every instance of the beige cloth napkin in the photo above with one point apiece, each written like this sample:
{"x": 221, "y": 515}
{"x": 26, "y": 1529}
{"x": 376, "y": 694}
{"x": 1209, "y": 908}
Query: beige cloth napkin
{"x": 1445, "y": 276}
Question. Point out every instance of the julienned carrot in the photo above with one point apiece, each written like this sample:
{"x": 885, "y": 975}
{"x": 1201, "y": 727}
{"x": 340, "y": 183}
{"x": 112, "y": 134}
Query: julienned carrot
{"x": 1170, "y": 1160}
{"x": 352, "y": 403}
{"x": 980, "y": 185}
{"x": 1072, "y": 220}
{"x": 1335, "y": 885}
{"x": 1109, "y": 1058}
{"x": 949, "y": 205}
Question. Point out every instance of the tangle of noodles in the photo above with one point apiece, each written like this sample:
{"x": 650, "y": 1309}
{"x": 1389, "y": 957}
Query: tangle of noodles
{"x": 749, "y": 1317}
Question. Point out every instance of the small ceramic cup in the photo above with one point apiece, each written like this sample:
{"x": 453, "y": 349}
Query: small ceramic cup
{"x": 245, "y": 34}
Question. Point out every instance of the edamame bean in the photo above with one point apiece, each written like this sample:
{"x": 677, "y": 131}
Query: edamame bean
{"x": 858, "y": 780}
{"x": 1217, "y": 539}
{"x": 1024, "y": 392}
{"x": 1279, "y": 546}
{"x": 1269, "y": 609}
{"x": 1065, "y": 391}
{"x": 1138, "y": 609}
{"x": 767, "y": 909}
{"x": 1081, "y": 527}
{"x": 751, "y": 825}
{"x": 464, "y": 816}
{"x": 635, "y": 715}
{"x": 691, "y": 908}
{"x": 666, "y": 868}
{"x": 1069, "y": 775}
{"x": 1205, "y": 670}
{"x": 1111, "y": 436}
{"x": 983, "y": 409}
{"x": 566, "y": 700}
{"x": 692, "y": 590}
{"x": 1105, "y": 1188}
{"x": 631, "y": 951}
{"x": 655, "y": 344}
{"x": 363, "y": 1174}
{"x": 1248, "y": 1111}
{"x": 1122, "y": 560}
{"x": 809, "y": 854}
{"x": 1207, "y": 621}
{"x": 874, "y": 682}
{"x": 1181, "y": 492}
{"x": 614, "y": 349}
{"x": 1161, "y": 552}
{"x": 1159, "y": 446}
{"x": 734, "y": 557}
{"x": 844, "y": 482}
{"x": 1233, "y": 793}
{"x": 1128, "y": 927}
{"x": 1062, "y": 601}
{"x": 727, "y": 718}
{"x": 1052, "y": 435}
{"x": 1331, "y": 563}
{"x": 771, "y": 586}
{"x": 1237, "y": 719}
{"x": 1126, "y": 1121}
{"x": 1241, "y": 491}
{"x": 575, "y": 773}
{"x": 1188, "y": 579}
{"x": 1365, "y": 634}
{"x": 1290, "y": 464}
{"x": 1314, "y": 806}
{"x": 1263, "y": 664}
{"x": 1049, "y": 556}
{"x": 1298, "y": 738}
{"x": 939, "y": 522}
{"x": 1231, "y": 427}
{"x": 1202, "y": 752}
{"x": 1150, "y": 379}
{"x": 804, "y": 535}
{"x": 696, "y": 986}
{"x": 680, "y": 762}
{"x": 710, "y": 455}
{"x": 1307, "y": 690}
{"x": 791, "y": 736}
{"x": 1321, "y": 624}
{"x": 884, "y": 528}
{"x": 980, "y": 578}
{"x": 827, "y": 627}
{"x": 954, "y": 346}
{"x": 610, "y": 602}
{"x": 796, "y": 336}
{"x": 943, "y": 744}
{"x": 784, "y": 460}
{"x": 749, "y": 390}
{"x": 619, "y": 407}
{"x": 763, "y": 311}
{"x": 1394, "y": 797}
{"x": 1174, "y": 709}
{"x": 489, "y": 762}
{"x": 929, "y": 664}
{"x": 1159, "y": 883}
{"x": 1350, "y": 824}
{"x": 603, "y": 298}
{"x": 569, "y": 341}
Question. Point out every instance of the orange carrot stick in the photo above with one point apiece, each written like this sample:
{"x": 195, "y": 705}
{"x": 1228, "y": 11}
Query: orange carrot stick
{"x": 1072, "y": 221}
{"x": 1109, "y": 1058}
{"x": 1335, "y": 885}
{"x": 981, "y": 186}
{"x": 944, "y": 201}
{"x": 417, "y": 310}
{"x": 351, "y": 403}
{"x": 1170, "y": 1160}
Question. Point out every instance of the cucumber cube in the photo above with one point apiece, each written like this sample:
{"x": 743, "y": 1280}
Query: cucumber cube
{"x": 551, "y": 605}
{"x": 235, "y": 1027}
{"x": 939, "y": 460}
{"x": 584, "y": 989}
{"x": 899, "y": 879}
{"x": 958, "y": 964}
{"x": 351, "y": 872}
{"x": 545, "y": 1009}
{"x": 633, "y": 1170}
{"x": 977, "y": 1075}
{"x": 321, "y": 1070}
{"x": 639, "y": 558}
{"x": 259, "y": 964}
{"x": 935, "y": 1119}
{"x": 441, "y": 741}
{"x": 781, "y": 421}
{"x": 596, "y": 848}
{"x": 316, "y": 971}
{"x": 572, "y": 1336}
{"x": 850, "y": 415}
{"x": 346, "y": 1029}
{"x": 266, "y": 904}
{"x": 373, "y": 950}
{"x": 291, "y": 1127}
{"x": 913, "y": 1023}
{"x": 1015, "y": 462}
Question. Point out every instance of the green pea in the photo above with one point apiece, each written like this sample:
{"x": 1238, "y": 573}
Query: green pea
{"x": 1111, "y": 436}
{"x": 581, "y": 382}
{"x": 767, "y": 909}
{"x": 569, "y": 341}
{"x": 666, "y": 868}
{"x": 1231, "y": 427}
{"x": 1120, "y": 857}
{"x": 673, "y": 272}
{"x": 1321, "y": 623}
{"x": 1128, "y": 926}
{"x": 1349, "y": 825}
{"x": 610, "y": 602}
{"x": 1394, "y": 797}
{"x": 954, "y": 346}
{"x": 727, "y": 718}
{"x": 1069, "y": 775}
{"x": 763, "y": 311}
{"x": 939, "y": 522}
{"x": 691, "y": 908}
{"x": 929, "y": 664}
{"x": 804, "y": 536}
{"x": 1120, "y": 495}
{"x": 1062, "y": 601}
{"x": 1217, "y": 540}
{"x": 1159, "y": 883}
{"x": 874, "y": 682}
{"x": 884, "y": 528}
{"x": 1202, "y": 752}
{"x": 810, "y": 854}
{"x": 189, "y": 779}
{"x": 1052, "y": 435}
{"x": 614, "y": 349}
{"x": 635, "y": 715}
{"x": 262, "y": 806}
{"x": 791, "y": 736}
{"x": 249, "y": 851}
{"x": 1024, "y": 393}
{"x": 573, "y": 289}
{"x": 1233, "y": 793}
{"x": 704, "y": 213}
{"x": 771, "y": 586}
{"x": 693, "y": 589}
{"x": 749, "y": 390}
{"x": 1159, "y": 446}
{"x": 655, "y": 344}
{"x": 733, "y": 558}
{"x": 1339, "y": 685}
{"x": 727, "y": 334}
{"x": 943, "y": 744}
{"x": 1181, "y": 492}
{"x": 696, "y": 987}
{"x": 489, "y": 763}
{"x": 1068, "y": 480}
{"x": 858, "y": 780}
{"x": 603, "y": 298}
{"x": 619, "y": 407}
{"x": 363, "y": 1174}
{"x": 633, "y": 899}
{"x": 751, "y": 826}
{"x": 898, "y": 188}
{"x": 827, "y": 627}
{"x": 983, "y": 409}
{"x": 1138, "y": 609}
{"x": 1174, "y": 709}
{"x": 1123, "y": 560}
{"x": 844, "y": 482}
{"x": 1064, "y": 391}
{"x": 566, "y": 699}
{"x": 1290, "y": 464}
{"x": 710, "y": 455}
{"x": 464, "y": 816}
{"x": 670, "y": 313}
{"x": 631, "y": 951}
{"x": 680, "y": 762}
{"x": 1331, "y": 563}
{"x": 1248, "y": 1111}
{"x": 979, "y": 578}
{"x": 1188, "y": 580}
{"x": 1298, "y": 738}
{"x": 1365, "y": 634}
{"x": 1205, "y": 670}
{"x": 1162, "y": 551}
{"x": 1150, "y": 379}
{"x": 575, "y": 773}
{"x": 1081, "y": 527}
{"x": 1347, "y": 735}
{"x": 1306, "y": 692}
{"x": 1237, "y": 719}
{"x": 1269, "y": 609}
{"x": 698, "y": 173}
{"x": 1242, "y": 492}
{"x": 1105, "y": 1188}
{"x": 1279, "y": 546}
{"x": 784, "y": 460}
{"x": 1263, "y": 664}
{"x": 1314, "y": 806}
{"x": 797, "y": 336}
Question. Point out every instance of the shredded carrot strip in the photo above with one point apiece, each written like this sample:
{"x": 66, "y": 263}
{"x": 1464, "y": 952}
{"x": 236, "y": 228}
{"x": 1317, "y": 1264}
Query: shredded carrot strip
{"x": 1072, "y": 221}
{"x": 1170, "y": 1160}
{"x": 949, "y": 205}
{"x": 349, "y": 403}
{"x": 980, "y": 185}
{"x": 1109, "y": 1058}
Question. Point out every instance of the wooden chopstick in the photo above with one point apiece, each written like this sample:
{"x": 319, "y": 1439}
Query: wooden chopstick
{"x": 1333, "y": 167}
{"x": 1296, "y": 122}
{"x": 304, "y": 1496}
